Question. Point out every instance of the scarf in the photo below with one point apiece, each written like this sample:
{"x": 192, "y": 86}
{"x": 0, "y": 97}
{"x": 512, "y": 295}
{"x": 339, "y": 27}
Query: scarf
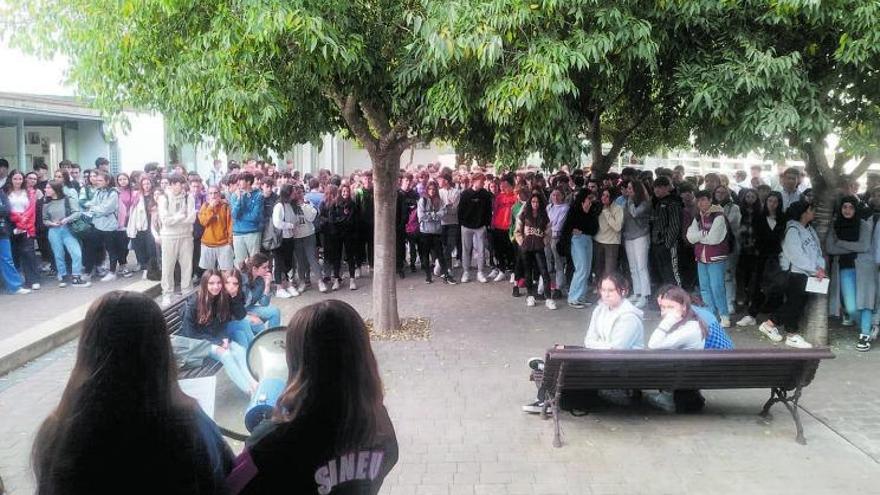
{"x": 847, "y": 229}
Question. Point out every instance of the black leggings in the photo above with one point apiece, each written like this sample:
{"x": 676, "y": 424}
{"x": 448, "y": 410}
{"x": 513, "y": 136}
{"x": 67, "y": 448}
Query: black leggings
{"x": 789, "y": 313}
{"x": 144, "y": 248}
{"x": 536, "y": 264}
{"x": 336, "y": 244}
{"x": 504, "y": 257}
{"x": 431, "y": 248}
{"x": 284, "y": 261}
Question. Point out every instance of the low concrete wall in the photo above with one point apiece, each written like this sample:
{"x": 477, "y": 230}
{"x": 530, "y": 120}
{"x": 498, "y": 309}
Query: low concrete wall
{"x": 31, "y": 344}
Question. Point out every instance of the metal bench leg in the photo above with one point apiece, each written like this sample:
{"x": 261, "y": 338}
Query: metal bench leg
{"x": 792, "y": 405}
{"x": 776, "y": 395}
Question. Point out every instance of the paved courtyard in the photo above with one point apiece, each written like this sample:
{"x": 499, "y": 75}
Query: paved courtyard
{"x": 455, "y": 404}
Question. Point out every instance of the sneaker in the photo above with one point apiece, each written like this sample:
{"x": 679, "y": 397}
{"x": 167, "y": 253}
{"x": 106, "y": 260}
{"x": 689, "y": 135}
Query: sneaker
{"x": 126, "y": 273}
{"x": 322, "y": 287}
{"x": 352, "y": 285}
{"x": 456, "y": 263}
{"x": 770, "y": 331}
{"x": 846, "y": 322}
{"x": 109, "y": 277}
{"x": 465, "y": 277}
{"x": 494, "y": 274}
{"x": 550, "y": 304}
{"x": 449, "y": 280}
{"x": 500, "y": 277}
{"x": 282, "y": 293}
{"x": 22, "y": 291}
{"x": 641, "y": 302}
{"x": 293, "y": 291}
{"x": 795, "y": 340}
{"x": 144, "y": 275}
{"x": 536, "y": 363}
{"x": 513, "y": 278}
{"x": 481, "y": 278}
{"x": 864, "y": 343}
{"x": 661, "y": 400}
{"x": 746, "y": 321}
{"x": 725, "y": 321}
{"x": 429, "y": 280}
{"x": 875, "y": 331}
{"x": 534, "y": 408}
{"x": 516, "y": 291}
{"x": 62, "y": 283}
{"x": 357, "y": 273}
{"x": 166, "y": 300}
{"x": 530, "y": 301}
{"x": 77, "y": 281}
{"x": 575, "y": 304}
{"x": 35, "y": 286}
{"x": 335, "y": 285}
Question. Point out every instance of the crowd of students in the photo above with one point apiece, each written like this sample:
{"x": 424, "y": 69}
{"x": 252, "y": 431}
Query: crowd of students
{"x": 747, "y": 247}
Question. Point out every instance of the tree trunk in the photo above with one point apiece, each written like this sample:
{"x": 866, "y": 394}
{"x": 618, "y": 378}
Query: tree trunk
{"x": 386, "y": 167}
{"x": 815, "y": 320}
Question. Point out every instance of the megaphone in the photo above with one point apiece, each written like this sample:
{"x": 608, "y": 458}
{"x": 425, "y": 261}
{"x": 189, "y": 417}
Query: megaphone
{"x": 267, "y": 362}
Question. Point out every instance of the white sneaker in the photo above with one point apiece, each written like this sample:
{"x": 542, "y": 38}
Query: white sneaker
{"x": 35, "y": 286}
{"x": 746, "y": 321}
{"x": 367, "y": 269}
{"x": 550, "y": 303}
{"x": 530, "y": 301}
{"x": 641, "y": 302}
{"x": 771, "y": 332}
{"x": 22, "y": 291}
{"x": 301, "y": 287}
{"x": 725, "y": 321}
{"x": 481, "y": 278}
{"x": 166, "y": 300}
{"x": 322, "y": 287}
{"x": 144, "y": 275}
{"x": 357, "y": 273}
{"x": 465, "y": 277}
{"x": 500, "y": 276}
{"x": 292, "y": 291}
{"x": 795, "y": 340}
{"x": 352, "y": 285}
{"x": 494, "y": 273}
{"x": 512, "y": 278}
{"x": 437, "y": 271}
{"x": 335, "y": 285}
{"x": 282, "y": 293}
{"x": 109, "y": 277}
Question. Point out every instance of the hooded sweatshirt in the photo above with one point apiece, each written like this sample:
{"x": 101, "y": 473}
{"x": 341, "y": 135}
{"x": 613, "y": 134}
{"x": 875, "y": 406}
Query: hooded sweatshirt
{"x": 176, "y": 215}
{"x": 618, "y": 328}
{"x": 801, "y": 250}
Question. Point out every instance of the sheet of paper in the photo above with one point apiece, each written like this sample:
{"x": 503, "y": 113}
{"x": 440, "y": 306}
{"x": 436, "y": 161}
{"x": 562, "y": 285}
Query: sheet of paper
{"x": 202, "y": 390}
{"x": 817, "y": 286}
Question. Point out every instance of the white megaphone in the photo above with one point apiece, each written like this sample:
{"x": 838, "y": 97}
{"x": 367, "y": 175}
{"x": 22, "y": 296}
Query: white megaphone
{"x": 267, "y": 362}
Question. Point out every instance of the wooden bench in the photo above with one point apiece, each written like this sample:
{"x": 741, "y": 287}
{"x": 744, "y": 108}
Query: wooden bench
{"x": 174, "y": 319}
{"x": 784, "y": 371}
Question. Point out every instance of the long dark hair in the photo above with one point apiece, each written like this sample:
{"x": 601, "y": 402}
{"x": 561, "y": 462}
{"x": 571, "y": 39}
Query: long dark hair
{"x": 209, "y": 306}
{"x": 122, "y": 415}
{"x": 679, "y": 295}
{"x": 333, "y": 374}
{"x": 539, "y": 217}
{"x": 7, "y": 188}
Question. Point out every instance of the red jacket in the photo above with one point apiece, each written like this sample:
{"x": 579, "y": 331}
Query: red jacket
{"x": 501, "y": 210}
{"x": 27, "y": 220}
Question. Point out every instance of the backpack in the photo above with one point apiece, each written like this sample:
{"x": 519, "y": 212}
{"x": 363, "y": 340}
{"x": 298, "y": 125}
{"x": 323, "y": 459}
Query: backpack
{"x": 412, "y": 223}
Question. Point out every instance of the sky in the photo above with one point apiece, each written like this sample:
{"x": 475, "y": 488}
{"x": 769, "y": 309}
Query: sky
{"x": 28, "y": 74}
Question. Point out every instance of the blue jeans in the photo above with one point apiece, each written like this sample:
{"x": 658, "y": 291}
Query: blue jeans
{"x": 61, "y": 239}
{"x": 11, "y": 278}
{"x": 582, "y": 257}
{"x": 269, "y": 314}
{"x": 239, "y": 331}
{"x": 848, "y": 290}
{"x": 235, "y": 364}
{"x": 712, "y": 288}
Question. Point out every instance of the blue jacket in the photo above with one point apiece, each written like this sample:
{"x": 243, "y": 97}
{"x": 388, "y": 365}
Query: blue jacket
{"x": 247, "y": 212}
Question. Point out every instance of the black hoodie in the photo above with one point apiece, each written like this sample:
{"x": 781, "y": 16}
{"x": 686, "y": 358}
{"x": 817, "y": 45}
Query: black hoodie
{"x": 666, "y": 221}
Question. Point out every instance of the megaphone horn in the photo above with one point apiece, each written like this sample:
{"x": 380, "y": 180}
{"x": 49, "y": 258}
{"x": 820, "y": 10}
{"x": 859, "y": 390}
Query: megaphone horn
{"x": 267, "y": 362}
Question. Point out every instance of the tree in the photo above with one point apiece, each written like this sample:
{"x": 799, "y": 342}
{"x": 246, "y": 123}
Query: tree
{"x": 789, "y": 74}
{"x": 255, "y": 75}
{"x": 560, "y": 78}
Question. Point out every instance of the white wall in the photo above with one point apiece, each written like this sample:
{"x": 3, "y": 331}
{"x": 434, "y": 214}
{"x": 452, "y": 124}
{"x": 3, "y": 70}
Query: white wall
{"x": 143, "y": 143}
{"x": 90, "y": 144}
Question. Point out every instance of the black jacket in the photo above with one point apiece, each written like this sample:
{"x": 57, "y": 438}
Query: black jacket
{"x": 475, "y": 208}
{"x": 407, "y": 202}
{"x": 768, "y": 242}
{"x": 666, "y": 221}
{"x": 213, "y": 331}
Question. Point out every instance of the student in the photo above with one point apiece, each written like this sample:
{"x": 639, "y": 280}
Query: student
{"x": 341, "y": 233}
{"x": 637, "y": 240}
{"x": 749, "y": 269}
{"x": 474, "y": 216}
{"x": 733, "y": 215}
{"x": 614, "y": 324}
{"x": 215, "y": 216}
{"x": 22, "y": 215}
{"x": 58, "y": 212}
{"x": 142, "y": 221}
{"x": 256, "y": 282}
{"x": 557, "y": 210}
{"x": 581, "y": 225}
{"x": 853, "y": 271}
{"x": 451, "y": 197}
{"x": 431, "y": 210}
{"x": 122, "y": 419}
{"x": 11, "y": 279}
{"x": 709, "y": 235}
{"x": 801, "y": 258}
{"x": 176, "y": 216}
{"x": 666, "y": 231}
{"x": 607, "y": 240}
{"x": 208, "y": 316}
{"x": 247, "y": 213}
{"x": 533, "y": 236}
{"x": 103, "y": 210}
{"x": 283, "y": 220}
{"x": 233, "y": 283}
{"x": 332, "y": 405}
{"x": 305, "y": 245}
{"x": 365, "y": 218}
{"x": 407, "y": 238}
{"x": 126, "y": 200}
{"x": 501, "y": 225}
